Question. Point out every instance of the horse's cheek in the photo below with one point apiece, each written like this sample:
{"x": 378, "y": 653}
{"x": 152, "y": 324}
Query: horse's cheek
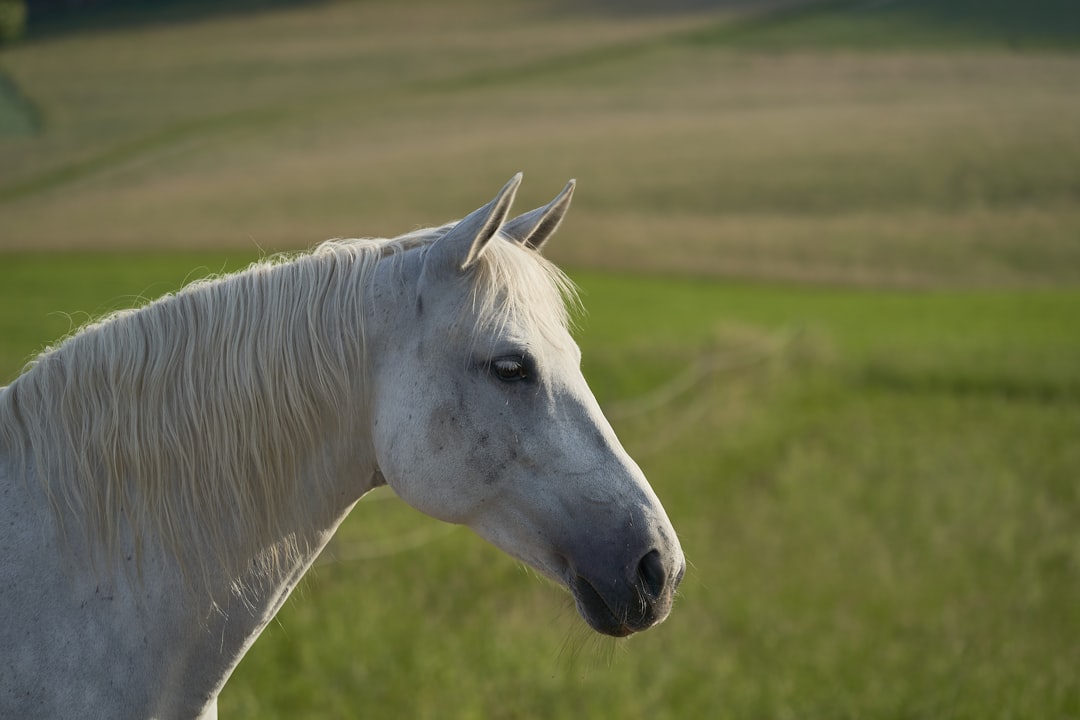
{"x": 421, "y": 454}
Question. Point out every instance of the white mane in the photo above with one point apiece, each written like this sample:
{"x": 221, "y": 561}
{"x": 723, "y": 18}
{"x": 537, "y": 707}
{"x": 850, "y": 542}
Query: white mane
{"x": 190, "y": 419}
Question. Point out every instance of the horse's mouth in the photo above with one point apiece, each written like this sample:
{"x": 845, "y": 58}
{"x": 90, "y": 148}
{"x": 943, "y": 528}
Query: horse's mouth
{"x": 639, "y": 612}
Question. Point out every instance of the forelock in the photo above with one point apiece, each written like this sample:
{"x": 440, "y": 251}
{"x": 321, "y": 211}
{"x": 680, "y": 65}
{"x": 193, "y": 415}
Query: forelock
{"x": 512, "y": 284}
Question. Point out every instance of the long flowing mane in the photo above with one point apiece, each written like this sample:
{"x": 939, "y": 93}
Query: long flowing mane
{"x": 189, "y": 420}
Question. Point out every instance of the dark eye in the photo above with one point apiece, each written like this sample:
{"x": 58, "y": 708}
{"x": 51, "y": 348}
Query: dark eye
{"x": 509, "y": 369}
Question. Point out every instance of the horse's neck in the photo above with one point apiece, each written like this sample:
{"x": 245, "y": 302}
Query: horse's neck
{"x": 173, "y": 643}
{"x": 228, "y": 631}
{"x": 184, "y": 641}
{"x": 139, "y": 642}
{"x": 220, "y": 631}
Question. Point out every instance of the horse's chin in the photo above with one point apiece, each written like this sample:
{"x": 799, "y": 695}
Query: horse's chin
{"x": 604, "y": 619}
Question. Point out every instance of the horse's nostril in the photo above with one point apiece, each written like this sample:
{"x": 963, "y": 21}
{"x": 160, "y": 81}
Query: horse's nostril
{"x": 651, "y": 574}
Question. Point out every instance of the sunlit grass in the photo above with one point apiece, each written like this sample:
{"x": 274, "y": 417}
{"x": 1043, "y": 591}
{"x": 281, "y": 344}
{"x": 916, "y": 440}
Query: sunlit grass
{"x": 879, "y": 507}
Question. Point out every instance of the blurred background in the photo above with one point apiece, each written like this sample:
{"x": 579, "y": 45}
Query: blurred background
{"x": 830, "y": 259}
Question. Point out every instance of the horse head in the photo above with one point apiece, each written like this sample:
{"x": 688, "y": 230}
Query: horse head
{"x": 482, "y": 417}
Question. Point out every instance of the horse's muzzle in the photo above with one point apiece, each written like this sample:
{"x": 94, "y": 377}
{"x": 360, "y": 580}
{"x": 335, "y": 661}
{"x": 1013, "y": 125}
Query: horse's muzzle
{"x": 626, "y": 606}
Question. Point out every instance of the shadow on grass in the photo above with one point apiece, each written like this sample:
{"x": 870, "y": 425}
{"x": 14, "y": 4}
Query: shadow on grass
{"x": 885, "y": 24}
{"x": 1052, "y": 21}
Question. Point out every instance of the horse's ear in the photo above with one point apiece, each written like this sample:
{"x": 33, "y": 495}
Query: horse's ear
{"x": 465, "y": 242}
{"x": 534, "y": 228}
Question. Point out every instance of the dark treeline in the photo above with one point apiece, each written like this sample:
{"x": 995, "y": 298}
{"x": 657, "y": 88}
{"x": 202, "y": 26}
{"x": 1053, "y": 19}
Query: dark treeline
{"x": 55, "y": 17}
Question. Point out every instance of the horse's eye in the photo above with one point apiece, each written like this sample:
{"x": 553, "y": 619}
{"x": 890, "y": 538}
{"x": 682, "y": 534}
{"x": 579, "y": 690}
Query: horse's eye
{"x": 509, "y": 369}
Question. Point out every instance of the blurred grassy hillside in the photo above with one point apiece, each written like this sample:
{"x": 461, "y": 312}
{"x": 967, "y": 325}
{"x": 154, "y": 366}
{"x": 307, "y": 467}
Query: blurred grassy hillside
{"x": 718, "y": 139}
{"x": 829, "y": 253}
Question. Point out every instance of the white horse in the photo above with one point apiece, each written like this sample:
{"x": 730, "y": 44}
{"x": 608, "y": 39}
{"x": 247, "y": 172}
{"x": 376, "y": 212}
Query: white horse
{"x": 167, "y": 474}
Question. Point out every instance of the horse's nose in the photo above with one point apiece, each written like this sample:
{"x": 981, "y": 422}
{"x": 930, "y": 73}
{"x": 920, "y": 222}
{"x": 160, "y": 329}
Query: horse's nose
{"x": 638, "y": 602}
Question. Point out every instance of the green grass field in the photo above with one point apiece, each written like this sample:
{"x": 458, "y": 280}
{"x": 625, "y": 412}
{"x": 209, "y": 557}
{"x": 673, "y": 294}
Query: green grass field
{"x": 830, "y": 257}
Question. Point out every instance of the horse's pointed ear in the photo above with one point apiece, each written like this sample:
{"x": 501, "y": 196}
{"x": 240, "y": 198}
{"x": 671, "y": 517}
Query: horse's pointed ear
{"x": 465, "y": 242}
{"x": 534, "y": 228}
